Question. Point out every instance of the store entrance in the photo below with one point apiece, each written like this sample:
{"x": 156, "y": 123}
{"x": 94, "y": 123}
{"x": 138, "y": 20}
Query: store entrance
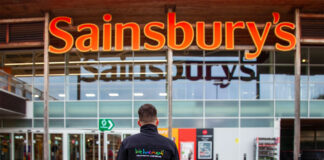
{"x": 80, "y": 145}
{"x": 311, "y": 139}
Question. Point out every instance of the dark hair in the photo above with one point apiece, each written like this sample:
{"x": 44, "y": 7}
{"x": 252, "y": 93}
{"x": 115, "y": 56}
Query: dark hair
{"x": 147, "y": 113}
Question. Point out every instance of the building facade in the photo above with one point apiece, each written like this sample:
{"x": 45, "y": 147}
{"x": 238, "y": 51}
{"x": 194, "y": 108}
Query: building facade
{"x": 239, "y": 99}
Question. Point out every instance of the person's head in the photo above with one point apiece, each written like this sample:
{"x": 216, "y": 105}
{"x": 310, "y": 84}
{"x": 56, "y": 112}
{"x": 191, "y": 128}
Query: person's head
{"x": 147, "y": 114}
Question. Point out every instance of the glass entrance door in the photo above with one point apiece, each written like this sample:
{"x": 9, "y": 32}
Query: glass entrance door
{"x": 38, "y": 146}
{"x": 91, "y": 146}
{"x": 75, "y": 146}
{"x": 113, "y": 144}
{"x": 20, "y": 147}
{"x": 56, "y": 147}
{"x": 5, "y": 143}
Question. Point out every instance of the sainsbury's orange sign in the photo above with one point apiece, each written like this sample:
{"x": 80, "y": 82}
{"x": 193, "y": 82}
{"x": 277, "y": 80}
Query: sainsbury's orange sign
{"x": 151, "y": 32}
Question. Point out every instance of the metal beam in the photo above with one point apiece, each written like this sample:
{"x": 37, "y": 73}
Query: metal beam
{"x": 21, "y": 45}
{"x": 312, "y": 40}
{"x": 46, "y": 85}
{"x": 169, "y": 88}
{"x": 309, "y": 15}
{"x": 297, "y": 88}
{"x": 22, "y": 20}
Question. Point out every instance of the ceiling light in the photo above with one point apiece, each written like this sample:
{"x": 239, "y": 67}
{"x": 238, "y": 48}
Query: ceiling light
{"x": 113, "y": 94}
{"x": 304, "y": 60}
{"x": 139, "y": 94}
{"x": 36, "y": 95}
{"x": 163, "y": 94}
{"x": 90, "y": 95}
{"x": 61, "y": 95}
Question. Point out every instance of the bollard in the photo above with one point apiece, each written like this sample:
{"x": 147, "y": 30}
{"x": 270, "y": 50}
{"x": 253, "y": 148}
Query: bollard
{"x": 244, "y": 158}
{"x": 216, "y": 156}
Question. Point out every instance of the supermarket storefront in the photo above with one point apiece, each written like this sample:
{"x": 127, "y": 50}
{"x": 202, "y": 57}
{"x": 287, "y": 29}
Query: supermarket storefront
{"x": 221, "y": 89}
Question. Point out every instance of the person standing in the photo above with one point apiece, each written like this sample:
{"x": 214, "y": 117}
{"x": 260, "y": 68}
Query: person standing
{"x": 148, "y": 144}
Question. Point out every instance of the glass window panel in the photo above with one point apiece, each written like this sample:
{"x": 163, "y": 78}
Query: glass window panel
{"x": 56, "y": 91}
{"x": 115, "y": 109}
{"x": 316, "y": 90}
{"x": 81, "y": 109}
{"x": 53, "y": 123}
{"x": 225, "y": 90}
{"x": 38, "y": 92}
{"x": 17, "y": 123}
{"x": 287, "y": 74}
{"x": 82, "y": 91}
{"x": 221, "y": 123}
{"x": 56, "y": 109}
{"x": 150, "y": 66}
{"x": 222, "y": 108}
{"x": 285, "y": 57}
{"x": 264, "y": 73}
{"x": 81, "y": 123}
{"x": 255, "y": 90}
{"x": 20, "y": 65}
{"x": 287, "y": 108}
{"x": 257, "y": 108}
{"x": 266, "y": 57}
{"x": 286, "y": 91}
{"x": 222, "y": 57}
{"x": 223, "y": 73}
{"x": 316, "y": 55}
{"x": 245, "y": 123}
{"x": 115, "y": 90}
{"x": 317, "y": 108}
{"x": 188, "y": 56}
{"x": 316, "y": 74}
{"x": 112, "y": 71}
{"x": 161, "y": 107}
{"x": 154, "y": 90}
{"x": 187, "y": 123}
{"x": 122, "y": 123}
{"x": 187, "y": 109}
{"x": 117, "y": 57}
{"x": 150, "y": 72}
{"x": 187, "y": 90}
{"x": 187, "y": 72}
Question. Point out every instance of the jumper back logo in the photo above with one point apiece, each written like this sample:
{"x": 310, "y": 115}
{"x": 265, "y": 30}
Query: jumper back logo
{"x": 142, "y": 153}
{"x": 152, "y": 30}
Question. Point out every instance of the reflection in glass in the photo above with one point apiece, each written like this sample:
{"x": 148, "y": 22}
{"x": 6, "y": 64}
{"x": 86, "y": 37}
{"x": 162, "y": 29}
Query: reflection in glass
{"x": 188, "y": 56}
{"x": 316, "y": 74}
{"x": 225, "y": 90}
{"x": 115, "y": 91}
{"x": 285, "y": 57}
{"x": 254, "y": 90}
{"x": 146, "y": 90}
{"x": 38, "y": 147}
{"x": 56, "y": 109}
{"x": 266, "y": 57}
{"x": 75, "y": 147}
{"x": 82, "y": 91}
{"x": 286, "y": 91}
{"x": 316, "y": 91}
{"x": 56, "y": 146}
{"x": 221, "y": 57}
{"x": 187, "y": 90}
